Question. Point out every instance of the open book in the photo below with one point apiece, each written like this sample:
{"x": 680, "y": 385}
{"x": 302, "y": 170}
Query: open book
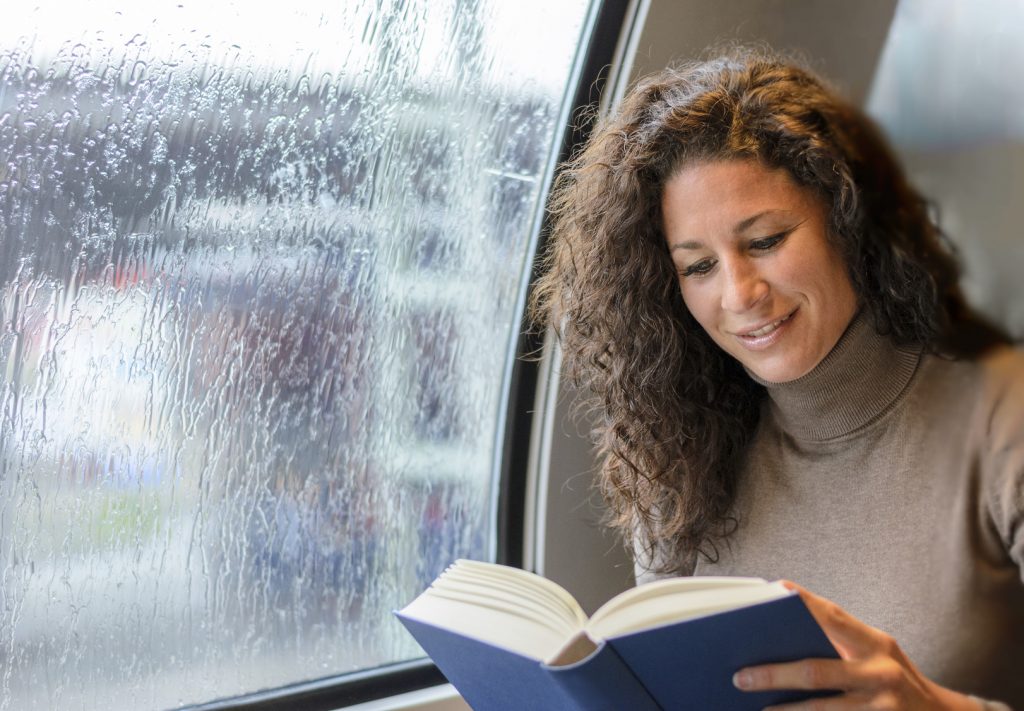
{"x": 510, "y": 639}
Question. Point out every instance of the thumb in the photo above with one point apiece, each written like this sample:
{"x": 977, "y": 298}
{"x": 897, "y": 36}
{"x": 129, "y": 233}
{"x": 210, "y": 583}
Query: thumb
{"x": 852, "y": 638}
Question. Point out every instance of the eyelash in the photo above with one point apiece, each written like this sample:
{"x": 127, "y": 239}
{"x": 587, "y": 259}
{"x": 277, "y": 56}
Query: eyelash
{"x": 765, "y": 244}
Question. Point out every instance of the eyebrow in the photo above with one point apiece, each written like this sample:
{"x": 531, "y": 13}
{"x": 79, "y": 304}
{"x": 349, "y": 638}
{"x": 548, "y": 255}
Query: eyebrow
{"x": 740, "y": 226}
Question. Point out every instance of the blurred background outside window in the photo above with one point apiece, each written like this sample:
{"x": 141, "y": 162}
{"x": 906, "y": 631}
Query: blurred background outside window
{"x": 261, "y": 272}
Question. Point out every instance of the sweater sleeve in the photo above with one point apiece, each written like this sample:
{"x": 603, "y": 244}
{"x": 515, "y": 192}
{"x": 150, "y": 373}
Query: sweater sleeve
{"x": 1006, "y": 444}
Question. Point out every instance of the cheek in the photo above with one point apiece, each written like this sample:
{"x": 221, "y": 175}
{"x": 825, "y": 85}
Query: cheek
{"x": 814, "y": 275}
{"x": 801, "y": 272}
{"x": 833, "y": 279}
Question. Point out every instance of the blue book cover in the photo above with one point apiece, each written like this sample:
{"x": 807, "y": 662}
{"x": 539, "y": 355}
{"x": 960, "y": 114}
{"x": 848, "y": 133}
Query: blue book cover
{"x": 686, "y": 664}
{"x": 491, "y": 678}
{"x": 488, "y": 677}
{"x": 689, "y": 664}
{"x": 602, "y": 682}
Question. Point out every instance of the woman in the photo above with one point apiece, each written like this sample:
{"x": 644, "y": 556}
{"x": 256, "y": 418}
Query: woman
{"x": 790, "y": 383}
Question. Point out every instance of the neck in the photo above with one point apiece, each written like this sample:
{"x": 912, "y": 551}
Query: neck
{"x": 856, "y": 383}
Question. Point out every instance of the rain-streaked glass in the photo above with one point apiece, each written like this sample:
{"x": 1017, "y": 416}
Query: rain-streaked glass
{"x": 261, "y": 269}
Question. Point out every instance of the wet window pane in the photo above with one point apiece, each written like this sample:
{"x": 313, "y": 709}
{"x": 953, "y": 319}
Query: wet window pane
{"x": 260, "y": 272}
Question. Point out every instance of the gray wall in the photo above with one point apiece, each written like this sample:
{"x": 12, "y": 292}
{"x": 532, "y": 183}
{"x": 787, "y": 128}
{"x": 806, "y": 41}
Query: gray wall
{"x": 841, "y": 39}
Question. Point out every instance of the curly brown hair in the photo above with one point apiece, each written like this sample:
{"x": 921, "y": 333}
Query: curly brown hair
{"x": 675, "y": 412}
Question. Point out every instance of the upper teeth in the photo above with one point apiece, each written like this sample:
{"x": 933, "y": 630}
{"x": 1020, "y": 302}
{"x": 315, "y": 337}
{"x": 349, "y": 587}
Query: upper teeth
{"x": 765, "y": 330}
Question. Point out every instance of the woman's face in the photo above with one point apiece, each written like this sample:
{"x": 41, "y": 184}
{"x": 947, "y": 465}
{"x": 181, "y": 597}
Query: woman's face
{"x": 756, "y": 268}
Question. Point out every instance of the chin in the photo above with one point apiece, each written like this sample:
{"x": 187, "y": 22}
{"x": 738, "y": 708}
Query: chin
{"x": 779, "y": 373}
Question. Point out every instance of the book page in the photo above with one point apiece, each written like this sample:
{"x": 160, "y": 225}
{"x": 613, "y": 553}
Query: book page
{"x": 500, "y": 626}
{"x": 523, "y": 580}
{"x": 670, "y": 586}
{"x": 518, "y": 582}
{"x": 509, "y": 599}
{"x": 507, "y": 607}
{"x": 667, "y": 601}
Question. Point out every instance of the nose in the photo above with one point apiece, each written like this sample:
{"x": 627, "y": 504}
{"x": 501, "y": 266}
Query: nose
{"x": 744, "y": 286}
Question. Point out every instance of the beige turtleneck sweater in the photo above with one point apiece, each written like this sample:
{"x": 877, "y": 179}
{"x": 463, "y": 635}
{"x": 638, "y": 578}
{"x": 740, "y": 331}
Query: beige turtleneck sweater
{"x": 893, "y": 484}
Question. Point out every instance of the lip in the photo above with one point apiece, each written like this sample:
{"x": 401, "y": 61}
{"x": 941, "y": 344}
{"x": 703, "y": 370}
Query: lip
{"x": 758, "y": 343}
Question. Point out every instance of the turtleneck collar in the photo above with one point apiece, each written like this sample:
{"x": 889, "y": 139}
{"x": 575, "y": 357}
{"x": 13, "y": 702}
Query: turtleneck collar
{"x": 859, "y": 380}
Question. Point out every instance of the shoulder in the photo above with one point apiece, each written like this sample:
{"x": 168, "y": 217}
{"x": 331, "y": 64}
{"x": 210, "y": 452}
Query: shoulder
{"x": 1005, "y": 428}
{"x": 971, "y": 414}
{"x": 1005, "y": 364}
{"x": 1002, "y": 387}
{"x": 1002, "y": 392}
{"x": 995, "y": 381}
{"x": 976, "y": 405}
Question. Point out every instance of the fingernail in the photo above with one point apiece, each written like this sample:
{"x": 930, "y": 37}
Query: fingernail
{"x": 742, "y": 679}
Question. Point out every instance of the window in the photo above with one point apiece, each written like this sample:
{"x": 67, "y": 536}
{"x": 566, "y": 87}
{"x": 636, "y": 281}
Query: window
{"x": 262, "y": 272}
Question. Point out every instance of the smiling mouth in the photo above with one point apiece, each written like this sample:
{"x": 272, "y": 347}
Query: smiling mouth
{"x": 767, "y": 328}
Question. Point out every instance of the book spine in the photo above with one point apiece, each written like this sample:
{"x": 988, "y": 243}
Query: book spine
{"x": 602, "y": 682}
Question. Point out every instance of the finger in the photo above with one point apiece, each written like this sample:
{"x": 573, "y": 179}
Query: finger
{"x": 852, "y": 638}
{"x": 804, "y": 674}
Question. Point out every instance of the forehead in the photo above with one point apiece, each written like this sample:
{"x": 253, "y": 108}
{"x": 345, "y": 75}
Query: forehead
{"x": 718, "y": 195}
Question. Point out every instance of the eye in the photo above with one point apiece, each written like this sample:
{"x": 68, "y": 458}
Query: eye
{"x": 698, "y": 268}
{"x": 766, "y": 244}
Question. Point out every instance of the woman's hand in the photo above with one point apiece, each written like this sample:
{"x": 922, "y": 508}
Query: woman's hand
{"x": 873, "y": 672}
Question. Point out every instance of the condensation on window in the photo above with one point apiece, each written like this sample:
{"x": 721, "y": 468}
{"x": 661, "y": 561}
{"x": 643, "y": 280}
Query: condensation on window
{"x": 260, "y": 271}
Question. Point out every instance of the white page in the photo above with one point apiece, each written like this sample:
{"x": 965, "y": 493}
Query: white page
{"x": 511, "y": 599}
{"x": 680, "y": 585}
{"x": 522, "y": 579}
{"x": 680, "y": 604}
{"x": 501, "y": 627}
